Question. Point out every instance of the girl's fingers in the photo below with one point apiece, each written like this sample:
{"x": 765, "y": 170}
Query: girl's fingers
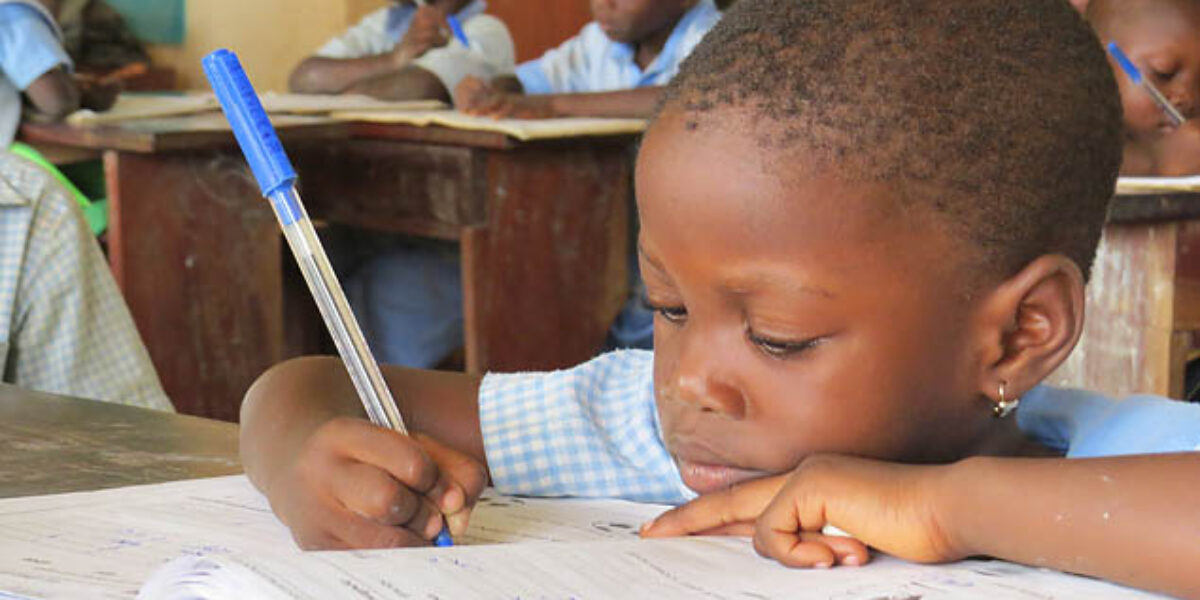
{"x": 738, "y": 505}
{"x": 810, "y": 549}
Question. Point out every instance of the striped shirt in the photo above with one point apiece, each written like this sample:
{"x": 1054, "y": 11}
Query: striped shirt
{"x": 64, "y": 327}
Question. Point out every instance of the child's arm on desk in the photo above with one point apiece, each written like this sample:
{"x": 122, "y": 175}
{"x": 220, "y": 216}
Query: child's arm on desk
{"x": 504, "y": 98}
{"x": 1130, "y": 519}
{"x": 320, "y": 75}
{"x": 340, "y": 482}
{"x": 1173, "y": 154}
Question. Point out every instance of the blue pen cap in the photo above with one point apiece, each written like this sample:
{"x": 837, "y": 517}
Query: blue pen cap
{"x": 249, "y": 121}
{"x": 1127, "y": 65}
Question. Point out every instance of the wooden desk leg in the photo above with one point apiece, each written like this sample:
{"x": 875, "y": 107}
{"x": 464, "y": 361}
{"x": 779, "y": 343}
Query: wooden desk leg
{"x": 196, "y": 252}
{"x": 1142, "y": 306}
{"x": 544, "y": 278}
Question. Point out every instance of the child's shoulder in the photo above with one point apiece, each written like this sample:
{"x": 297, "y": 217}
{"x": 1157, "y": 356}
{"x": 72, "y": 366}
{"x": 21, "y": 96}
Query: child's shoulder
{"x": 1083, "y": 423}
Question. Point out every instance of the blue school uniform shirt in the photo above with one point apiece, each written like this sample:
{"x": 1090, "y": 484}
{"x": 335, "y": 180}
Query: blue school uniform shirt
{"x": 29, "y": 47}
{"x": 593, "y": 431}
{"x": 489, "y": 52}
{"x": 592, "y": 62}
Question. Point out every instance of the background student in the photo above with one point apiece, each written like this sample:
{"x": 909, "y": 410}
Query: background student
{"x": 1161, "y": 37}
{"x": 64, "y": 327}
{"x": 832, "y": 296}
{"x": 615, "y": 67}
{"x": 407, "y": 52}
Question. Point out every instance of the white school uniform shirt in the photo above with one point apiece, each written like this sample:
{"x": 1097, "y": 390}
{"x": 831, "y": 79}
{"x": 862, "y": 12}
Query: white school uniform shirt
{"x": 30, "y": 46}
{"x": 489, "y": 54}
{"x": 593, "y": 62}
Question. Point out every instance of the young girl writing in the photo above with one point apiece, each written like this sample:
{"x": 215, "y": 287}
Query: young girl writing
{"x": 866, "y": 228}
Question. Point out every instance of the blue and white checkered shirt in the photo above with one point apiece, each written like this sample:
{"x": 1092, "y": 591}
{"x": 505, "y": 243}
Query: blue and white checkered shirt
{"x": 593, "y": 62}
{"x": 64, "y": 327}
{"x": 593, "y": 431}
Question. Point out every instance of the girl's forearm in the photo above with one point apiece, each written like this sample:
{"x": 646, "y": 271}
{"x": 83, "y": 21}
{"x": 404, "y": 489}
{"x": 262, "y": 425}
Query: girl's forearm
{"x": 1132, "y": 519}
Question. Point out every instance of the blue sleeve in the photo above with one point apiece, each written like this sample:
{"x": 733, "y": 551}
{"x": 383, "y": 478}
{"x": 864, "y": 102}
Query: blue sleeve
{"x": 563, "y": 70}
{"x": 591, "y": 431}
{"x": 28, "y": 46}
{"x": 1085, "y": 424}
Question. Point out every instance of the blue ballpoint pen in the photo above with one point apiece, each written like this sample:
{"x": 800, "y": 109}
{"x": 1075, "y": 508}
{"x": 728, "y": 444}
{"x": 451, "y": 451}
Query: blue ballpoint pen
{"x": 277, "y": 180}
{"x": 455, "y": 26}
{"x": 1135, "y": 75}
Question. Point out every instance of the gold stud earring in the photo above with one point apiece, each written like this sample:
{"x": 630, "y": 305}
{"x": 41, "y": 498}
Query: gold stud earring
{"x": 1004, "y": 407}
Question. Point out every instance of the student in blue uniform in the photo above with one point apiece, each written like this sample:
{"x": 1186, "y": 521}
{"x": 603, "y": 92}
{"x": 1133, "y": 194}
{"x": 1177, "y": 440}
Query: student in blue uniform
{"x": 64, "y": 327}
{"x": 409, "y": 52}
{"x": 866, "y": 228}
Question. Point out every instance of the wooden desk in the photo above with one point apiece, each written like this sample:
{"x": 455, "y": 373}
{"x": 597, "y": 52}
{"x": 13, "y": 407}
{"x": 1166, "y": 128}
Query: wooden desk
{"x": 194, "y": 249}
{"x": 1143, "y": 301}
{"x": 51, "y": 444}
{"x": 542, "y": 227}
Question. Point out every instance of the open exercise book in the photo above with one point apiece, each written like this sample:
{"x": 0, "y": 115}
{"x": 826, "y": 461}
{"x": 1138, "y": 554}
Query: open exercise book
{"x": 216, "y": 538}
{"x": 521, "y": 129}
{"x": 1147, "y": 185}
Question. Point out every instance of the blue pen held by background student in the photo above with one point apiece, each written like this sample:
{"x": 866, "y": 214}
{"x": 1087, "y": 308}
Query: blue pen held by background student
{"x": 1135, "y": 75}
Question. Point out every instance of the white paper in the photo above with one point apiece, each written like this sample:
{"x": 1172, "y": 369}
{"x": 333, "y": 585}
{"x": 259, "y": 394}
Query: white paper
{"x": 221, "y": 533}
{"x": 104, "y": 544}
{"x": 1141, "y": 185}
{"x": 521, "y": 129}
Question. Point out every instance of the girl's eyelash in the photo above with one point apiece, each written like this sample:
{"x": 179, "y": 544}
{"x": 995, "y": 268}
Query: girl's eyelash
{"x": 673, "y": 314}
{"x": 782, "y": 349}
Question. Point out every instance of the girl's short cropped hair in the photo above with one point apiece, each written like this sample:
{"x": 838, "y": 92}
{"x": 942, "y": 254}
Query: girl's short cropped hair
{"x": 999, "y": 118}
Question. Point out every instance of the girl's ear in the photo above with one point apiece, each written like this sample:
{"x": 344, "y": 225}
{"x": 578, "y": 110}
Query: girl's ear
{"x": 1030, "y": 324}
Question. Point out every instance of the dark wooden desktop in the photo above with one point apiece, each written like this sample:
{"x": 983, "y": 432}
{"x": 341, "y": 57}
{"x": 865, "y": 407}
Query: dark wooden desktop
{"x": 542, "y": 228}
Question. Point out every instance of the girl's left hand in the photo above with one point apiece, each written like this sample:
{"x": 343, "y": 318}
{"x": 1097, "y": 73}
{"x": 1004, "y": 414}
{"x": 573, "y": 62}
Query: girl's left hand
{"x": 893, "y": 507}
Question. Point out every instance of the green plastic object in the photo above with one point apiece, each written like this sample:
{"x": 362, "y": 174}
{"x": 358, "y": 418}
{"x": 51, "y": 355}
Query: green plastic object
{"x": 95, "y": 212}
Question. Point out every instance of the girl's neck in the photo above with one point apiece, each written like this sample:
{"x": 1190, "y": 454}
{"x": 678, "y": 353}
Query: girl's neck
{"x": 652, "y": 45}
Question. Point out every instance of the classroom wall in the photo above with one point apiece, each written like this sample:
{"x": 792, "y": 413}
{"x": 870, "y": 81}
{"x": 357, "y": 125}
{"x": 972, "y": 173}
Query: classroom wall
{"x": 272, "y": 36}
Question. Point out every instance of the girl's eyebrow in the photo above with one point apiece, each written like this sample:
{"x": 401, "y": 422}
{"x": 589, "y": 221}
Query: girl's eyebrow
{"x": 750, "y": 284}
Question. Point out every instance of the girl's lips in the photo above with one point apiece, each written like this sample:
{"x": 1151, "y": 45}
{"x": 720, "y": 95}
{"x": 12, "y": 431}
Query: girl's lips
{"x": 703, "y": 478}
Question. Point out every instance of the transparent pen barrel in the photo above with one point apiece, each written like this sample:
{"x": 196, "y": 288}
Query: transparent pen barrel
{"x": 335, "y": 310}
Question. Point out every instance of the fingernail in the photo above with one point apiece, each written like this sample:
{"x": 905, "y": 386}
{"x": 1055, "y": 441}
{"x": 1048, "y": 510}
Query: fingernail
{"x": 453, "y": 499}
{"x": 852, "y": 560}
{"x": 823, "y": 565}
{"x": 646, "y": 527}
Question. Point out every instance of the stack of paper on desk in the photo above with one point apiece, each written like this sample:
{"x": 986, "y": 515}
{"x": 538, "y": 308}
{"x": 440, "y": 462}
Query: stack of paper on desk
{"x": 521, "y": 129}
{"x": 106, "y": 544}
{"x": 318, "y": 104}
{"x": 131, "y": 107}
{"x": 146, "y": 106}
{"x": 1143, "y": 185}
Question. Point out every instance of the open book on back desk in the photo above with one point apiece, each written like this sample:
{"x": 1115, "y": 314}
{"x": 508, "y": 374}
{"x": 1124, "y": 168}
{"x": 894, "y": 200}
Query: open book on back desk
{"x": 521, "y": 129}
{"x": 226, "y": 543}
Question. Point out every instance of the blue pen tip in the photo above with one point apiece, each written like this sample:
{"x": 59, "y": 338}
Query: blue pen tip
{"x": 443, "y": 538}
{"x": 1126, "y": 65}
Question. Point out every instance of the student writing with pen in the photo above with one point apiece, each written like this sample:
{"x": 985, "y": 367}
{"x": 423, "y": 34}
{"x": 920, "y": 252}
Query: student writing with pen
{"x": 865, "y": 253}
{"x": 1161, "y": 39}
{"x": 615, "y": 67}
{"x": 408, "y": 51}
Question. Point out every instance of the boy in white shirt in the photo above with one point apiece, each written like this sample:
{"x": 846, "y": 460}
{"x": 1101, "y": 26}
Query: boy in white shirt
{"x": 409, "y": 52}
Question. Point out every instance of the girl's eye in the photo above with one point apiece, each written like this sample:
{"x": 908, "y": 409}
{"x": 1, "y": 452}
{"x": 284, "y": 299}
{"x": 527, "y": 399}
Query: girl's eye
{"x": 673, "y": 314}
{"x": 1164, "y": 75}
{"x": 782, "y": 349}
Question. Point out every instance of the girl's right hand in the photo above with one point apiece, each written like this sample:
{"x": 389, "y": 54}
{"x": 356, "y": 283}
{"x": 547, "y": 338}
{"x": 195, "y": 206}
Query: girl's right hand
{"x": 356, "y": 485}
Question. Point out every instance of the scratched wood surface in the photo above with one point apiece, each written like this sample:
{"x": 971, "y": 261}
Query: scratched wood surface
{"x": 543, "y": 228}
{"x": 52, "y": 444}
{"x": 196, "y": 252}
{"x": 1142, "y": 311}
